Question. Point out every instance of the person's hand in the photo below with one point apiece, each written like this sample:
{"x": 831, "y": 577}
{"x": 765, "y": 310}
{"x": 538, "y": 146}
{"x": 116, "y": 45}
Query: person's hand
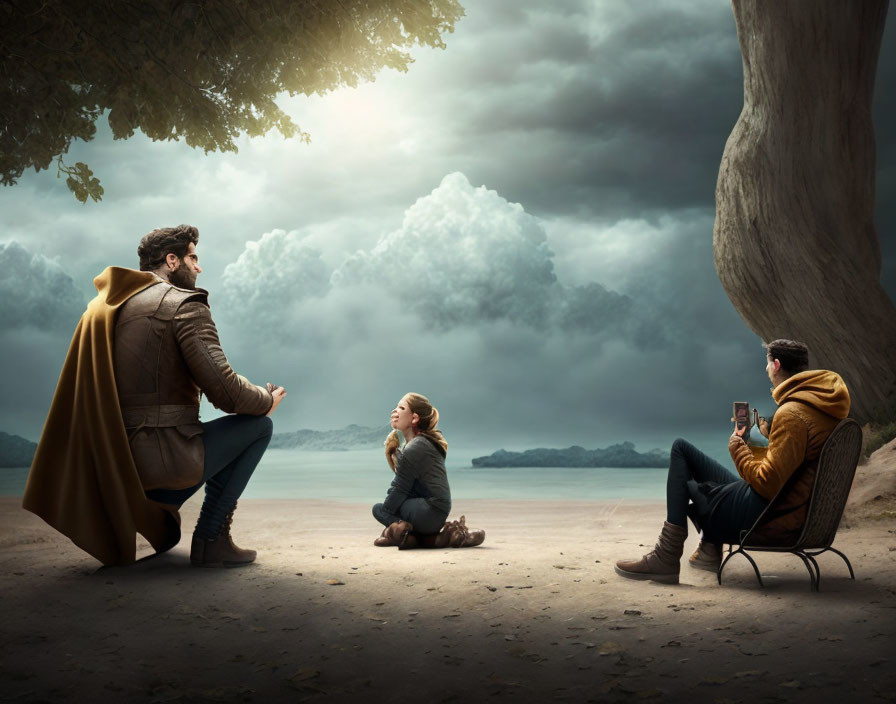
{"x": 739, "y": 432}
{"x": 278, "y": 392}
{"x": 763, "y": 426}
{"x": 391, "y": 448}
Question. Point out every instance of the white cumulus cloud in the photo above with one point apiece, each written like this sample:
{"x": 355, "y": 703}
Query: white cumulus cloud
{"x": 463, "y": 256}
{"x": 272, "y": 276}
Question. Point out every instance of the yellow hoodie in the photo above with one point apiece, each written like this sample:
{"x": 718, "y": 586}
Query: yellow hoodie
{"x": 810, "y": 405}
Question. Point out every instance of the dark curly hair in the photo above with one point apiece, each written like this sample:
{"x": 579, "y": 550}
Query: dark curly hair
{"x": 793, "y": 355}
{"x": 158, "y": 244}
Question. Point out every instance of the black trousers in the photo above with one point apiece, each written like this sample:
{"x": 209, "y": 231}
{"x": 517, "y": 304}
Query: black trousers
{"x": 723, "y": 503}
{"x": 426, "y": 518}
{"x": 234, "y": 445}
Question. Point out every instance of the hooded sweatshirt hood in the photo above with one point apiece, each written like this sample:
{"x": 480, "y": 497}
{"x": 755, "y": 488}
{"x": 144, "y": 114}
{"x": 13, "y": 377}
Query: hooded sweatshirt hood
{"x": 819, "y": 388}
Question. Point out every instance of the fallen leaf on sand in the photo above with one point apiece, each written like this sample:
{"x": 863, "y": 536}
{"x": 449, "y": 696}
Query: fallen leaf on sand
{"x": 495, "y": 679}
{"x": 609, "y": 648}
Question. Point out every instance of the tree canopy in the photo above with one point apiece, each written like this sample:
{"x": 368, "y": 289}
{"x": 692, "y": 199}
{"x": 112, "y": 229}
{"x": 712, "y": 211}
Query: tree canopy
{"x": 206, "y": 71}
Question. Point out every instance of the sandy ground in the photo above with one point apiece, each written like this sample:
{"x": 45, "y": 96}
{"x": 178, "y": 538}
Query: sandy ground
{"x": 534, "y": 614}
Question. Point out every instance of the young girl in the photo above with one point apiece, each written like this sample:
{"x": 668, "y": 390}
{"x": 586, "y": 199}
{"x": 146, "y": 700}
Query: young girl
{"x": 417, "y": 503}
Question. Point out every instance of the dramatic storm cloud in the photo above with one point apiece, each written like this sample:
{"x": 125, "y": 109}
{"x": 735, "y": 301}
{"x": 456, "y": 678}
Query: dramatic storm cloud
{"x": 563, "y": 291}
{"x": 463, "y": 256}
{"x": 462, "y": 302}
{"x": 39, "y": 309}
{"x": 35, "y": 292}
{"x": 270, "y": 275}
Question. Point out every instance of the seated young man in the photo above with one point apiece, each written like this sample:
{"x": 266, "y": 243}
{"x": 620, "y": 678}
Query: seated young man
{"x": 810, "y": 405}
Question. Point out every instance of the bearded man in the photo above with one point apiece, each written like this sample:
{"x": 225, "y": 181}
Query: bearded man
{"x": 123, "y": 447}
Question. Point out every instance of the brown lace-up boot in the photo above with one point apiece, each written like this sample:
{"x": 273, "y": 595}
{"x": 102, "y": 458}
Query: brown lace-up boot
{"x": 221, "y": 551}
{"x": 707, "y": 556}
{"x": 399, "y": 533}
{"x": 662, "y": 564}
{"x": 384, "y": 540}
{"x": 465, "y": 537}
{"x": 457, "y": 535}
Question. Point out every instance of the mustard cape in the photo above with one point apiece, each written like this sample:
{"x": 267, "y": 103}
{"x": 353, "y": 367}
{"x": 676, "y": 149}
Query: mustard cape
{"x": 83, "y": 481}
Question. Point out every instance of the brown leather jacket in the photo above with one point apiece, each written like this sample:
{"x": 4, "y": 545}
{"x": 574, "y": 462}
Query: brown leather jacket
{"x": 166, "y": 352}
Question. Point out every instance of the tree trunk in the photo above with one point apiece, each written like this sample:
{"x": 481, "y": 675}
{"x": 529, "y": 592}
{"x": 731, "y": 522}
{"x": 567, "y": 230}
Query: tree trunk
{"x": 794, "y": 239}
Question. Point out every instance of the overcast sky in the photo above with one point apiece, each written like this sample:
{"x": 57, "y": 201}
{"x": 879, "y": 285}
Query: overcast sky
{"x": 520, "y": 228}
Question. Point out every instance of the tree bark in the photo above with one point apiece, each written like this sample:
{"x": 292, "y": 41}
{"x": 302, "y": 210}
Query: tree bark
{"x": 794, "y": 239}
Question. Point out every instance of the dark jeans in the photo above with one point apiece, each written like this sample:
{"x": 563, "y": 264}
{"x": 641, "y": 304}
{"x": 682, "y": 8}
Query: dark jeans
{"x": 426, "y": 519}
{"x": 724, "y": 504}
{"x": 234, "y": 445}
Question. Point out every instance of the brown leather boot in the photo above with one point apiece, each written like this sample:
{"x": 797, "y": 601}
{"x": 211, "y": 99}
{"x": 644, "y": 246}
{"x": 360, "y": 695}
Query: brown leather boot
{"x": 403, "y": 535}
{"x": 707, "y": 556}
{"x": 471, "y": 538}
{"x": 220, "y": 552}
{"x": 384, "y": 540}
{"x": 662, "y": 564}
{"x": 398, "y": 533}
{"x": 474, "y": 538}
{"x": 459, "y": 536}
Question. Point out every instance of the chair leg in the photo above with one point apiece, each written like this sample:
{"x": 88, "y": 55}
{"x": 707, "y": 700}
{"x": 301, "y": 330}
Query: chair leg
{"x": 755, "y": 567}
{"x": 852, "y": 575}
{"x": 732, "y": 553}
{"x": 805, "y": 559}
{"x": 722, "y": 566}
{"x": 817, "y": 571}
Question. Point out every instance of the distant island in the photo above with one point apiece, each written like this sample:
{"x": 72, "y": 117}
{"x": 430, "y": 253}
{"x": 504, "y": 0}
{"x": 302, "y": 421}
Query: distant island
{"x": 16, "y": 451}
{"x": 352, "y": 437}
{"x": 621, "y": 455}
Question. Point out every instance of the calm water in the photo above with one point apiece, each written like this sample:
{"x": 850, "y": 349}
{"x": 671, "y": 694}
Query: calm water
{"x": 362, "y": 476}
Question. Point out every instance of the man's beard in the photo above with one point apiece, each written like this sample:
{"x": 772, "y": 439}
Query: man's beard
{"x": 183, "y": 277}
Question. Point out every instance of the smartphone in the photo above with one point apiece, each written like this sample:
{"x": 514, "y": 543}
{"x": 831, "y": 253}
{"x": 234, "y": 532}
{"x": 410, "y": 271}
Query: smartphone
{"x": 741, "y": 414}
